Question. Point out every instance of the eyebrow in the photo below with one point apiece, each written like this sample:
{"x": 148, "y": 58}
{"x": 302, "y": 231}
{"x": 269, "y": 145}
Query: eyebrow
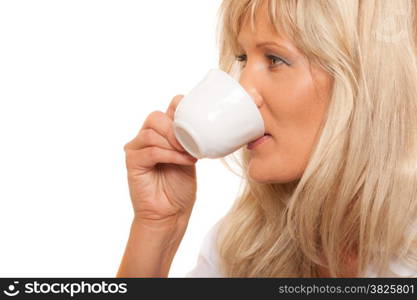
{"x": 268, "y": 43}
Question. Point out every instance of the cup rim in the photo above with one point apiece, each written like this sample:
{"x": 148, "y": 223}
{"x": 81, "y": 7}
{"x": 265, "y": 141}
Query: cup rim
{"x": 190, "y": 131}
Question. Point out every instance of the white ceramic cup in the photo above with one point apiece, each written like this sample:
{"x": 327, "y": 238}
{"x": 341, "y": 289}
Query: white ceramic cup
{"x": 217, "y": 117}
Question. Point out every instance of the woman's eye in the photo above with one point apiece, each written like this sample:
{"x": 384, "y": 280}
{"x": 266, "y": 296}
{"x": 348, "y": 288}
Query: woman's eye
{"x": 274, "y": 59}
{"x": 278, "y": 60}
{"x": 241, "y": 58}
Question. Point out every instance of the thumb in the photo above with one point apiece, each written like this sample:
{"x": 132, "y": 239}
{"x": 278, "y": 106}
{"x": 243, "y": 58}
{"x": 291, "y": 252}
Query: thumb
{"x": 173, "y": 106}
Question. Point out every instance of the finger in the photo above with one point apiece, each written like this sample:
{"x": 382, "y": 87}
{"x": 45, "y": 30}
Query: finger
{"x": 150, "y": 156}
{"x": 173, "y": 106}
{"x": 146, "y": 138}
{"x": 162, "y": 124}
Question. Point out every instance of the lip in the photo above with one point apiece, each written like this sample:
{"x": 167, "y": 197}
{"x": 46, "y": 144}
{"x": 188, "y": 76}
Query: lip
{"x": 258, "y": 141}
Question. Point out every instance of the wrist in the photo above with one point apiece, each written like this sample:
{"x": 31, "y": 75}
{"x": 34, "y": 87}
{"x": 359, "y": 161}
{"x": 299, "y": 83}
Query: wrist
{"x": 162, "y": 232}
{"x": 151, "y": 247}
{"x": 177, "y": 221}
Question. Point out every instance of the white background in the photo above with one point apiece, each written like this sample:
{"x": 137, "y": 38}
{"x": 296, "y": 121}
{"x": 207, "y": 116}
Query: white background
{"x": 77, "y": 80}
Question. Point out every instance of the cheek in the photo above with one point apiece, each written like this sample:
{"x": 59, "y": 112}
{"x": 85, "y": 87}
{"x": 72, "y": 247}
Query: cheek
{"x": 293, "y": 98}
{"x": 299, "y": 109}
{"x": 298, "y": 113}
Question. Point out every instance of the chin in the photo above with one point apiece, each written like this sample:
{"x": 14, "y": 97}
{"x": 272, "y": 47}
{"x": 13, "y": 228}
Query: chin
{"x": 266, "y": 173}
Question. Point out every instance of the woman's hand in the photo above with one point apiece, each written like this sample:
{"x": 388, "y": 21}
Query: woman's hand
{"x": 161, "y": 174}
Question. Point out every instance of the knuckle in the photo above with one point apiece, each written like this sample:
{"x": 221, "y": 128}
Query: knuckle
{"x": 155, "y": 114}
{"x": 153, "y": 119}
{"x": 147, "y": 135}
{"x": 150, "y": 137}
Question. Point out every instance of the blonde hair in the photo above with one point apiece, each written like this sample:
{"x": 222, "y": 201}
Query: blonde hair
{"x": 358, "y": 193}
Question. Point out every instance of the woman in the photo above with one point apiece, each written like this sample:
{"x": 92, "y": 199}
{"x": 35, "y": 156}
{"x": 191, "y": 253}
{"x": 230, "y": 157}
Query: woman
{"x": 333, "y": 191}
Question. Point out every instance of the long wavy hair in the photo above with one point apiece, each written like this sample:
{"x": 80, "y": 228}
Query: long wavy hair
{"x": 358, "y": 193}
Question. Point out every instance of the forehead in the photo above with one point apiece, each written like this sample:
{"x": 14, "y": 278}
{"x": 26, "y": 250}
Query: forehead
{"x": 259, "y": 28}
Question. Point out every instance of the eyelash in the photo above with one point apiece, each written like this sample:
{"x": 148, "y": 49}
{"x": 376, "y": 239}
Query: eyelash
{"x": 242, "y": 57}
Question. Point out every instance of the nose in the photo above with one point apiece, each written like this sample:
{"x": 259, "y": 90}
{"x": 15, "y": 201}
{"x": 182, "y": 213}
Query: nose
{"x": 248, "y": 81}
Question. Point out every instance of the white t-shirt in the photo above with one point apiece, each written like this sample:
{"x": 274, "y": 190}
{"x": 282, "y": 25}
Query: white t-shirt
{"x": 208, "y": 262}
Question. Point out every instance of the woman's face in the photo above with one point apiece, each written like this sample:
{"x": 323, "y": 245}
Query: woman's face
{"x": 291, "y": 103}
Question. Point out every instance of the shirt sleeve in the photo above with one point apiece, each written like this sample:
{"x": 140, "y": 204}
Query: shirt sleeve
{"x": 207, "y": 262}
{"x": 402, "y": 270}
{"x": 397, "y": 268}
